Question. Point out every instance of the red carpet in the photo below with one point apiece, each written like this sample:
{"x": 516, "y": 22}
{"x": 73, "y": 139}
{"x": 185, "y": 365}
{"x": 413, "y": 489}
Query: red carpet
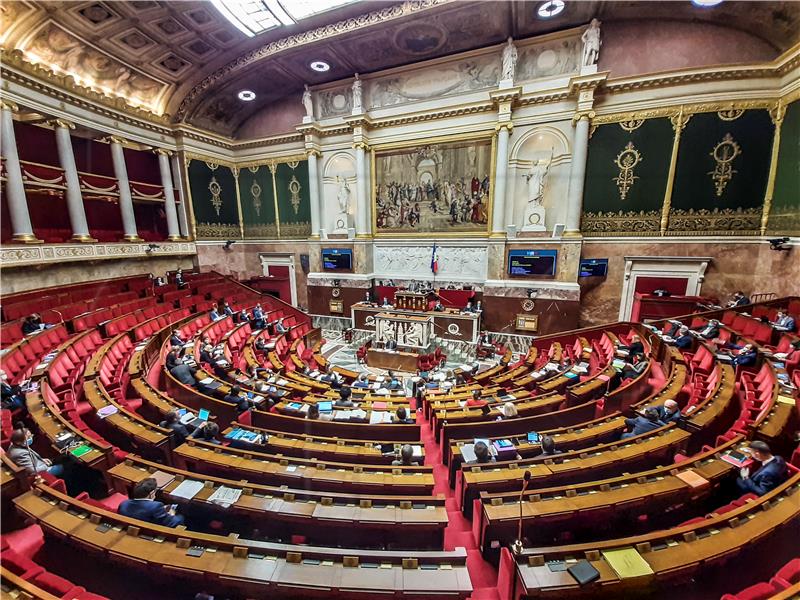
{"x": 458, "y": 532}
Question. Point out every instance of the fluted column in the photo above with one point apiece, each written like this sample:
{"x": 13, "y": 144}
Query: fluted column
{"x": 125, "y": 198}
{"x": 15, "y": 188}
{"x": 313, "y": 190}
{"x": 500, "y": 178}
{"x": 177, "y": 180}
{"x": 66, "y": 156}
{"x": 362, "y": 199}
{"x": 173, "y": 230}
{"x": 577, "y": 173}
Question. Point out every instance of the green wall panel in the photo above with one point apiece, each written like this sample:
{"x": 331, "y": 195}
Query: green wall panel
{"x": 294, "y": 204}
{"x": 784, "y": 216}
{"x": 732, "y": 202}
{"x": 213, "y": 190}
{"x": 258, "y": 202}
{"x": 618, "y": 205}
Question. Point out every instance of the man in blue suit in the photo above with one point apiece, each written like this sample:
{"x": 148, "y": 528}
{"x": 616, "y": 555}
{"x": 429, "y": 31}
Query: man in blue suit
{"x": 784, "y": 322}
{"x": 641, "y": 425}
{"x": 258, "y": 317}
{"x": 669, "y": 412}
{"x": 768, "y": 476}
{"x": 145, "y": 507}
{"x": 684, "y": 340}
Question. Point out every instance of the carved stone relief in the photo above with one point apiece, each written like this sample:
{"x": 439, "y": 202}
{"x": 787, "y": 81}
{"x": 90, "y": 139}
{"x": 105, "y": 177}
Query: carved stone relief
{"x": 414, "y": 262}
{"x": 334, "y": 103}
{"x": 549, "y": 59}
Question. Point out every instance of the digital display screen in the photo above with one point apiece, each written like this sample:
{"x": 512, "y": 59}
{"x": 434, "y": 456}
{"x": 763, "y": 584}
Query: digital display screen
{"x": 524, "y": 263}
{"x": 596, "y": 267}
{"x": 337, "y": 259}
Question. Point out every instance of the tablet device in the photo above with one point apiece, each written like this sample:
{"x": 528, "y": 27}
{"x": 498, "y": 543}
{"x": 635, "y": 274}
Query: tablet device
{"x": 533, "y": 437}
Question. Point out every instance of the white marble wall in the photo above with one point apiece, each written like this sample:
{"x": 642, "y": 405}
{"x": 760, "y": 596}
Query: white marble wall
{"x": 463, "y": 262}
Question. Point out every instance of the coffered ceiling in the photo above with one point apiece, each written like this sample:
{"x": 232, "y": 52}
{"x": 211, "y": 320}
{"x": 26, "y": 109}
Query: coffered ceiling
{"x": 183, "y": 58}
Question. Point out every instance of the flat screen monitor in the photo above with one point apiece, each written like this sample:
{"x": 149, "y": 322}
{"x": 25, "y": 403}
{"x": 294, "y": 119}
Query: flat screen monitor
{"x": 526, "y": 263}
{"x": 337, "y": 259}
{"x": 595, "y": 267}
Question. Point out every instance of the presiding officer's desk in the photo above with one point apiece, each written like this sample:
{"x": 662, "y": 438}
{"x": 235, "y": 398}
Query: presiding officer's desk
{"x": 325, "y": 518}
{"x": 229, "y": 564}
{"x": 448, "y": 324}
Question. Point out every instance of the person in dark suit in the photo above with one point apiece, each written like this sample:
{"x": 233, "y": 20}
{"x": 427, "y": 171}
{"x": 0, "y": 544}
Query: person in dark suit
{"x": 176, "y": 339}
{"x": 32, "y": 324}
{"x": 280, "y": 327}
{"x": 482, "y": 453}
{"x": 234, "y": 397}
{"x": 549, "y": 446}
{"x": 179, "y": 278}
{"x": 438, "y": 307}
{"x": 642, "y": 424}
{"x": 401, "y": 416}
{"x": 710, "y": 331}
{"x": 769, "y": 475}
{"x": 635, "y": 348}
{"x": 258, "y": 317}
{"x": 173, "y": 422}
{"x": 684, "y": 339}
{"x": 669, "y": 412}
{"x": 206, "y": 354}
{"x": 672, "y": 328}
{"x": 406, "y": 457}
{"x": 784, "y": 322}
{"x": 207, "y": 432}
{"x": 215, "y": 312}
{"x": 145, "y": 507}
{"x": 468, "y": 308}
{"x": 226, "y": 309}
{"x": 744, "y": 356}
{"x": 739, "y": 299}
{"x": 183, "y": 373}
{"x": 12, "y": 396}
{"x": 390, "y": 344}
{"x": 394, "y": 383}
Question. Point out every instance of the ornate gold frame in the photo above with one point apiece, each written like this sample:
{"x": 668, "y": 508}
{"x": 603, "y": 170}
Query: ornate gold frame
{"x": 453, "y": 138}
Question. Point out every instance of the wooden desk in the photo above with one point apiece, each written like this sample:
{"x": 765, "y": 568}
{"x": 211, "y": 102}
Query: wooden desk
{"x": 395, "y": 361}
{"x": 450, "y": 325}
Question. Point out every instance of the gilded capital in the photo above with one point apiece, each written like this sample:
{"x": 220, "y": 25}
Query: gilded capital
{"x": 361, "y": 145}
{"x": 582, "y": 115}
{"x": 313, "y": 152}
{"x": 113, "y": 139}
{"x": 162, "y": 151}
{"x": 8, "y": 105}
{"x": 63, "y": 123}
{"x": 777, "y": 112}
{"x": 507, "y": 125}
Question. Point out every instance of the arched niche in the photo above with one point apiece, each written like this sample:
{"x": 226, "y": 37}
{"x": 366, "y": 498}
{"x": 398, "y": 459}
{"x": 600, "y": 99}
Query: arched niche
{"x": 339, "y": 167}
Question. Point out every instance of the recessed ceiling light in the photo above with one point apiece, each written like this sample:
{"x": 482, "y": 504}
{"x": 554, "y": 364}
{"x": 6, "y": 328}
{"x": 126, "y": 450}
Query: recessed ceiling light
{"x": 550, "y": 9}
{"x": 320, "y": 66}
{"x": 706, "y": 3}
{"x": 246, "y": 95}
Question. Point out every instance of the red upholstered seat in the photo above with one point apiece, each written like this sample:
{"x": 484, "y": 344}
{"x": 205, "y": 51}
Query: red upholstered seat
{"x": 58, "y": 586}
{"x": 787, "y": 575}
{"x": 19, "y": 565}
{"x": 759, "y": 591}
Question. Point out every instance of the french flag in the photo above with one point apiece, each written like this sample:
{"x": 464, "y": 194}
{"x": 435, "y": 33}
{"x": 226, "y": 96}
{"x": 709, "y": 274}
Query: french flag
{"x": 434, "y": 261}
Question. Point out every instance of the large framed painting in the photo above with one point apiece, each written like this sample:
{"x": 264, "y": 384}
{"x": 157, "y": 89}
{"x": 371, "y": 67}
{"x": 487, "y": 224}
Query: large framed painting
{"x": 441, "y": 187}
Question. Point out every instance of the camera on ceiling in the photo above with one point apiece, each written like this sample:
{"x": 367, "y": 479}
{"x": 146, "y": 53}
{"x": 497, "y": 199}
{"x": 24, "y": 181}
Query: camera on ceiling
{"x": 780, "y": 244}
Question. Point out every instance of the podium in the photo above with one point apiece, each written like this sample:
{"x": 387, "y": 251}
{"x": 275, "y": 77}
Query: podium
{"x": 406, "y": 300}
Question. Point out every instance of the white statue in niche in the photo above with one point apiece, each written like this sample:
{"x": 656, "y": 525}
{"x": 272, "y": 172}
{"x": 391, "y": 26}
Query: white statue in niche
{"x": 509, "y": 61}
{"x": 343, "y": 199}
{"x": 308, "y": 104}
{"x": 357, "y": 96}
{"x": 537, "y": 181}
{"x": 591, "y": 44}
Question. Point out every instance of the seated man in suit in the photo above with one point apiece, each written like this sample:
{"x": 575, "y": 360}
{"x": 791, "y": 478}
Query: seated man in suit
{"x": 23, "y": 455}
{"x": 468, "y": 308}
{"x": 173, "y": 422}
{"x": 12, "y": 396}
{"x": 234, "y": 397}
{"x": 744, "y": 356}
{"x": 684, "y": 339}
{"x": 392, "y": 382}
{"x": 386, "y": 302}
{"x": 769, "y": 475}
{"x": 390, "y": 344}
{"x": 362, "y": 381}
{"x": 669, "y": 412}
{"x": 482, "y": 453}
{"x": 345, "y": 397}
{"x": 227, "y": 311}
{"x": 145, "y": 507}
{"x": 642, "y": 424}
{"x": 176, "y": 339}
{"x": 438, "y": 307}
{"x": 207, "y": 432}
{"x": 635, "y": 348}
{"x": 215, "y": 314}
{"x": 548, "y": 446}
{"x": 184, "y": 373}
{"x": 331, "y": 377}
{"x": 784, "y": 322}
{"x": 179, "y": 278}
{"x": 406, "y": 457}
{"x": 280, "y": 327}
{"x": 258, "y": 317}
{"x": 710, "y": 331}
{"x": 401, "y": 416}
{"x": 739, "y": 299}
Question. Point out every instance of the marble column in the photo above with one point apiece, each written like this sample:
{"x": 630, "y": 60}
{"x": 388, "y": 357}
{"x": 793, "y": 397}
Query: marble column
{"x": 77, "y": 212}
{"x": 313, "y": 190}
{"x": 177, "y": 182}
{"x": 125, "y": 198}
{"x": 501, "y": 176}
{"x": 577, "y": 174}
{"x": 173, "y": 231}
{"x": 15, "y": 188}
{"x": 362, "y": 200}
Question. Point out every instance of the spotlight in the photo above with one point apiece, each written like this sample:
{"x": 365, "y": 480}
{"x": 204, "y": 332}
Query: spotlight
{"x": 246, "y": 95}
{"x": 228, "y": 244}
{"x": 550, "y": 9}
{"x": 320, "y": 66}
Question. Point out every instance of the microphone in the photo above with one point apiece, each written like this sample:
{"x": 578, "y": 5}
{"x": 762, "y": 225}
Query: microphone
{"x": 517, "y": 546}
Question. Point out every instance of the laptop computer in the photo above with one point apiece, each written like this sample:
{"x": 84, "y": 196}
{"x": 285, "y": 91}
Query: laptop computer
{"x": 202, "y": 417}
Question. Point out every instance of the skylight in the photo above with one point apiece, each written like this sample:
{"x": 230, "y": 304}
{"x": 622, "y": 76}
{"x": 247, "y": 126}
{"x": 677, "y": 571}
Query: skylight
{"x": 252, "y": 17}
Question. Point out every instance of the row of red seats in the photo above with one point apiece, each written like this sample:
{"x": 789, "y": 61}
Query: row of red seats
{"x": 23, "y": 358}
{"x": 92, "y": 319}
{"x": 148, "y": 328}
{"x": 51, "y": 583}
{"x": 787, "y": 576}
{"x": 129, "y": 321}
{"x": 64, "y": 371}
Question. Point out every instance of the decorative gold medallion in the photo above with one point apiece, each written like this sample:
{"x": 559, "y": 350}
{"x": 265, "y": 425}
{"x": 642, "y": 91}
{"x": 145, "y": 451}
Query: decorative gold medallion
{"x": 255, "y": 191}
{"x": 631, "y": 124}
{"x": 724, "y": 154}
{"x": 626, "y": 161}
{"x": 528, "y": 305}
{"x": 730, "y": 114}
{"x": 215, "y": 189}
{"x": 294, "y": 189}
{"x": 293, "y": 164}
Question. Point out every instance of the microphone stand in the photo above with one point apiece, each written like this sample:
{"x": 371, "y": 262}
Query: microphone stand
{"x": 517, "y": 546}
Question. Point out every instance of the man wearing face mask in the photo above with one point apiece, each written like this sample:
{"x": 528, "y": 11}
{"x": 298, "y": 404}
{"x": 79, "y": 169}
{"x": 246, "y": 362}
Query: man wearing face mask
{"x": 23, "y": 455}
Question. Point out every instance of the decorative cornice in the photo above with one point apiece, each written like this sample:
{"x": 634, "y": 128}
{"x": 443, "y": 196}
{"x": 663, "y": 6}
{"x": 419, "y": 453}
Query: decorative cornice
{"x": 276, "y": 140}
{"x": 20, "y": 256}
{"x": 687, "y": 109}
{"x": 420, "y": 117}
{"x": 580, "y": 83}
{"x": 505, "y": 94}
{"x": 320, "y": 34}
{"x": 544, "y": 98}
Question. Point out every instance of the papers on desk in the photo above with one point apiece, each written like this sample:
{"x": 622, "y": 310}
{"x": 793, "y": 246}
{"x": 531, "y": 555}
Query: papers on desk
{"x": 377, "y": 417}
{"x": 188, "y": 489}
{"x": 551, "y": 366}
{"x": 627, "y": 563}
{"x": 417, "y": 451}
{"x": 162, "y": 479}
{"x": 692, "y": 478}
{"x": 206, "y": 381}
{"x": 225, "y": 496}
{"x": 724, "y": 357}
{"x": 468, "y": 453}
{"x": 358, "y": 414}
{"x": 379, "y": 405}
{"x": 618, "y": 364}
{"x": 107, "y": 411}
{"x": 342, "y": 415}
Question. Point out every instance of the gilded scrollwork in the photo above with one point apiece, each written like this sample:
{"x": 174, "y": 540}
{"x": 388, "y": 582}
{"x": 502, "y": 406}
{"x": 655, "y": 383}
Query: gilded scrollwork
{"x": 724, "y": 153}
{"x": 726, "y": 221}
{"x": 216, "y": 190}
{"x": 626, "y": 161}
{"x": 221, "y": 231}
{"x": 621, "y": 223}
